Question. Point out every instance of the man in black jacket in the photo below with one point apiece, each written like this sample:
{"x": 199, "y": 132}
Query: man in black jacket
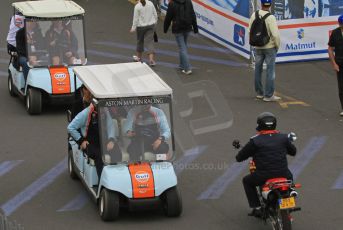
{"x": 182, "y": 16}
{"x": 269, "y": 150}
{"x": 336, "y": 56}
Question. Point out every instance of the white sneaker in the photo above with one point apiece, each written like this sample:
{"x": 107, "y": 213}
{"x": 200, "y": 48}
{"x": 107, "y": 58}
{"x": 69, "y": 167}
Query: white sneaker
{"x": 259, "y": 96}
{"x": 188, "y": 72}
{"x": 152, "y": 63}
{"x": 136, "y": 58}
{"x": 341, "y": 114}
{"x": 272, "y": 98}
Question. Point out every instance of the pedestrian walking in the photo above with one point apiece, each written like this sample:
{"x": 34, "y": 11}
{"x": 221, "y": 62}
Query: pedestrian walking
{"x": 336, "y": 56}
{"x": 144, "y": 23}
{"x": 182, "y": 16}
{"x": 265, "y": 37}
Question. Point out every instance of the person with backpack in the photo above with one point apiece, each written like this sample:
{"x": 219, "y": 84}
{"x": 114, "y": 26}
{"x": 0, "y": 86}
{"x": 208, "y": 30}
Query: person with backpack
{"x": 182, "y": 16}
{"x": 265, "y": 38}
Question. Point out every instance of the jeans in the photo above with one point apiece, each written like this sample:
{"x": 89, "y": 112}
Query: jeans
{"x": 181, "y": 40}
{"x": 24, "y": 65}
{"x": 269, "y": 56}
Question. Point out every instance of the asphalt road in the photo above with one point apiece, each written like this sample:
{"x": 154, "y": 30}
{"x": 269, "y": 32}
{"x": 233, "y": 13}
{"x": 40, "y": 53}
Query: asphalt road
{"x": 212, "y": 107}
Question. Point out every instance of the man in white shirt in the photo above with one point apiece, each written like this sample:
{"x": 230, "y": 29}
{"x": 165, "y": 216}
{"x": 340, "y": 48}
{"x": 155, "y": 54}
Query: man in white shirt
{"x": 266, "y": 53}
{"x": 17, "y": 22}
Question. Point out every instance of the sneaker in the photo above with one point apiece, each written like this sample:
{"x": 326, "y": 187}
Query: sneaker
{"x": 152, "y": 63}
{"x": 341, "y": 114}
{"x": 272, "y": 98}
{"x": 256, "y": 212}
{"x": 188, "y": 72}
{"x": 136, "y": 58}
{"x": 259, "y": 96}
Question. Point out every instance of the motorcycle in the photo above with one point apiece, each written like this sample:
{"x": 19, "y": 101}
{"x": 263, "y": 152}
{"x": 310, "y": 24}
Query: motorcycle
{"x": 277, "y": 197}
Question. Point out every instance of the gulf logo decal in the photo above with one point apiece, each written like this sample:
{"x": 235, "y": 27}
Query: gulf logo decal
{"x": 142, "y": 176}
{"x": 60, "y": 80}
{"x": 60, "y": 76}
{"x": 142, "y": 179}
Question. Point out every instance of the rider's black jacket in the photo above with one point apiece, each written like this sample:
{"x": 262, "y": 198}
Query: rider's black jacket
{"x": 269, "y": 153}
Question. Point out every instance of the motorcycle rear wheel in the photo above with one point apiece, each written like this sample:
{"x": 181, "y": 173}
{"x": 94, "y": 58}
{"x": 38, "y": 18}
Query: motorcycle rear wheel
{"x": 280, "y": 220}
{"x": 286, "y": 221}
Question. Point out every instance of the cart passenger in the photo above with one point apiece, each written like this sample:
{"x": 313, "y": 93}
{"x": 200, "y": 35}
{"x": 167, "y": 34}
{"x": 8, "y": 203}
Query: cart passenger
{"x": 59, "y": 44}
{"x": 74, "y": 43}
{"x": 148, "y": 128}
{"x": 89, "y": 138}
{"x": 30, "y": 37}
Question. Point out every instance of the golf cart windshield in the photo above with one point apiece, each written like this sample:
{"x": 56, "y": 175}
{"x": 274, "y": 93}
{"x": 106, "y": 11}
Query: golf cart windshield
{"x": 55, "y": 41}
{"x": 136, "y": 129}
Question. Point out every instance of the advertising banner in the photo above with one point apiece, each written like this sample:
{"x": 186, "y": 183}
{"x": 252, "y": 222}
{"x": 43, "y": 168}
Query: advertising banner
{"x": 304, "y": 25}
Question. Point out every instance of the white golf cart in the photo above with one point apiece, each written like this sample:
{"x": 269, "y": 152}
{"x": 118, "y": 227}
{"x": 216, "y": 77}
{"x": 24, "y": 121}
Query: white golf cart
{"x": 134, "y": 108}
{"x": 53, "y": 38}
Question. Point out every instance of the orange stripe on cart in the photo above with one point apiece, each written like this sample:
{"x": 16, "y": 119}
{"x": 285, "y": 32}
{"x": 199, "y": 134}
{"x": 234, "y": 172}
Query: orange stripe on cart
{"x": 142, "y": 178}
{"x": 60, "y": 80}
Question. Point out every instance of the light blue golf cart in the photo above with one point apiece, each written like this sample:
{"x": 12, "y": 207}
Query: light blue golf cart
{"x": 54, "y": 41}
{"x": 133, "y": 109}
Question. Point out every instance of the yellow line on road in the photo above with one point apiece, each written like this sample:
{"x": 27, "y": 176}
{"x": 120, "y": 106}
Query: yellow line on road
{"x": 287, "y": 100}
{"x": 133, "y": 1}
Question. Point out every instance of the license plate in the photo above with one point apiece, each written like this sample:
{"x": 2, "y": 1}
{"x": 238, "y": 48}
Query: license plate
{"x": 287, "y": 203}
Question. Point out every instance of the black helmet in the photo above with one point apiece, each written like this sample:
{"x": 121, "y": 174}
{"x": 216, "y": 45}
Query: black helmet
{"x": 266, "y": 121}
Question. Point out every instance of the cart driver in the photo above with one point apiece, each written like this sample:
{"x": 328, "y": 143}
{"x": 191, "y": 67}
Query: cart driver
{"x": 89, "y": 139}
{"x": 148, "y": 128}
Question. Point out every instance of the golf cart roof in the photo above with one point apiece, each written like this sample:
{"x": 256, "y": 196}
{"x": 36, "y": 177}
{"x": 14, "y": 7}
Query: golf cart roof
{"x": 48, "y": 8}
{"x": 122, "y": 80}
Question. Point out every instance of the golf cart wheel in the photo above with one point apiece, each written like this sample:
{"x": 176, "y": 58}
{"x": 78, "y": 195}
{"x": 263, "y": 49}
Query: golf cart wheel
{"x": 71, "y": 168}
{"x": 172, "y": 203}
{"x": 10, "y": 85}
{"x": 33, "y": 101}
{"x": 108, "y": 205}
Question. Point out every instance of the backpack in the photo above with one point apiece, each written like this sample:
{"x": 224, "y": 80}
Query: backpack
{"x": 182, "y": 16}
{"x": 258, "y": 32}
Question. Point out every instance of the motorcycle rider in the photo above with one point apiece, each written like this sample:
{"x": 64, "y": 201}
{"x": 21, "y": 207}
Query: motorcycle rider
{"x": 268, "y": 149}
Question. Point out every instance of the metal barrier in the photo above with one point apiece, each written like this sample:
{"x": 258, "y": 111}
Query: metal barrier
{"x": 6, "y": 224}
